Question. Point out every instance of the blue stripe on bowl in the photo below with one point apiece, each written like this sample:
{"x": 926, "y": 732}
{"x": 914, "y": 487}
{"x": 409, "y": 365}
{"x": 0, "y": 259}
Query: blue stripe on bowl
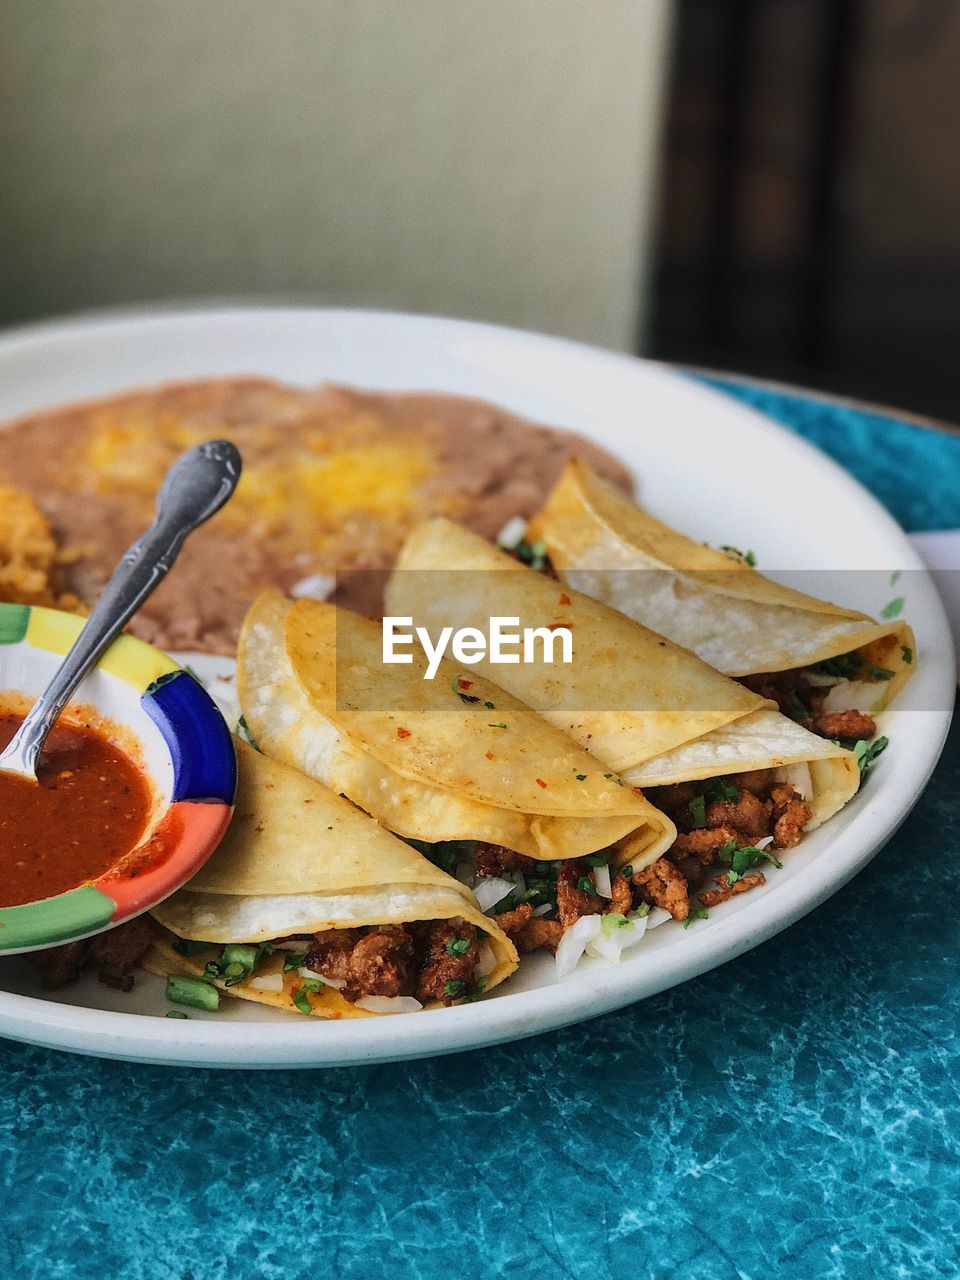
{"x": 205, "y": 765}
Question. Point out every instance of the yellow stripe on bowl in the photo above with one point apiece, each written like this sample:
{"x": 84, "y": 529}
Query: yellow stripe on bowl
{"x": 127, "y": 658}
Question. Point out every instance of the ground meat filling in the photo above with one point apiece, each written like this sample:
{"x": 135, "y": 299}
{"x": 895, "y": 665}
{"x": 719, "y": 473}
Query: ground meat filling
{"x": 719, "y": 822}
{"x": 803, "y": 701}
{"x": 437, "y": 960}
{"x": 717, "y": 819}
{"x": 114, "y": 954}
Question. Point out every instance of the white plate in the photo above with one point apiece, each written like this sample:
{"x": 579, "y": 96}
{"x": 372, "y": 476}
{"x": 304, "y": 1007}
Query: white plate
{"x": 711, "y": 465}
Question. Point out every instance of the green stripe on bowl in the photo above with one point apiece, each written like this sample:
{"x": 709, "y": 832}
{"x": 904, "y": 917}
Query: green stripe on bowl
{"x": 69, "y": 915}
{"x": 14, "y": 620}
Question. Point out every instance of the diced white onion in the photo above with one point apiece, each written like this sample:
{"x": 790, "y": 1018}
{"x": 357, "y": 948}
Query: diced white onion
{"x": 854, "y": 695}
{"x": 762, "y": 844}
{"x": 336, "y": 983}
{"x": 543, "y": 910}
{"x": 491, "y": 890}
{"x": 487, "y": 961}
{"x": 315, "y": 587}
{"x": 798, "y": 777}
{"x": 610, "y": 946}
{"x": 601, "y": 876}
{"x": 269, "y": 982}
{"x": 389, "y": 1004}
{"x": 574, "y": 942}
{"x": 657, "y": 917}
{"x": 822, "y": 682}
{"x": 512, "y": 532}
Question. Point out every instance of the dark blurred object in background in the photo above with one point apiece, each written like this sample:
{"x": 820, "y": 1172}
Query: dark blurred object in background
{"x": 810, "y": 197}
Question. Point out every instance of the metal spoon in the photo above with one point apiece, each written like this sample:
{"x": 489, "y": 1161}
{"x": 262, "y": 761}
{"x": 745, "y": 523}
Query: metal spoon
{"x": 195, "y": 488}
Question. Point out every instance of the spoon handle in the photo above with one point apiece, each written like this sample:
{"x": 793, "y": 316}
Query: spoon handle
{"x": 195, "y": 488}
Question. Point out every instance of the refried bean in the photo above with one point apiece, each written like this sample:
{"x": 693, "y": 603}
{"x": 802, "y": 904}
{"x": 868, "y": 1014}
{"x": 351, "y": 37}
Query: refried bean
{"x": 334, "y": 479}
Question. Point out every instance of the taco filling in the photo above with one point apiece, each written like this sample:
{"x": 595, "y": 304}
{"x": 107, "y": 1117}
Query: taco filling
{"x": 388, "y": 968}
{"x": 728, "y": 828}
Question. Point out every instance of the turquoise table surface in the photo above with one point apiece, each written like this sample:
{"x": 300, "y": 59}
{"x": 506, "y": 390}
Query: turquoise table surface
{"x": 794, "y": 1114}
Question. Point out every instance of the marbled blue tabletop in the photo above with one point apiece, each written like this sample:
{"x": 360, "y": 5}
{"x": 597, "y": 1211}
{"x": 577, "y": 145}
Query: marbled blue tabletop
{"x": 794, "y": 1114}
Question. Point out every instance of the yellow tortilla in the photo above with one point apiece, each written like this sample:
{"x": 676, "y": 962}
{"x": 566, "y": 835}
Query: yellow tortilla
{"x": 723, "y": 609}
{"x": 411, "y": 752}
{"x": 653, "y": 712}
{"x": 299, "y": 859}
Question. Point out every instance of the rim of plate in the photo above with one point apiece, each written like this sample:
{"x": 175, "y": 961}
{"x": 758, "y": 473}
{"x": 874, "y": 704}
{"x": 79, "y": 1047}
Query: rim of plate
{"x": 203, "y": 764}
{"x": 514, "y": 360}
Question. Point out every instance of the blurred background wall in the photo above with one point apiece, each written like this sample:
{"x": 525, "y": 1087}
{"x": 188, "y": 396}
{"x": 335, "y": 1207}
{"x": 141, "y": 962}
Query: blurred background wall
{"x": 764, "y": 186}
{"x": 810, "y": 198}
{"x": 485, "y": 158}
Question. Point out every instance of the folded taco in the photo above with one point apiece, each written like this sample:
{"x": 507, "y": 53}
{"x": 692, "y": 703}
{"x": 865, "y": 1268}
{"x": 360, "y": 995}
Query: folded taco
{"x": 839, "y": 666}
{"x": 720, "y": 759}
{"x": 311, "y": 906}
{"x": 469, "y": 774}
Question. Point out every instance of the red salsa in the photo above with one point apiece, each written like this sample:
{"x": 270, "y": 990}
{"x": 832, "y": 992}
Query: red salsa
{"x": 90, "y": 809}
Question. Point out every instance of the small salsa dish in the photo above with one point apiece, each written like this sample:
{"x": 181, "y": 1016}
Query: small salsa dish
{"x": 136, "y": 785}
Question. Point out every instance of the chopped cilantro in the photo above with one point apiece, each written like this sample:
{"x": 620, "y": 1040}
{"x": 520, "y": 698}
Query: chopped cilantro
{"x": 459, "y": 684}
{"x": 696, "y": 913}
{"x": 302, "y": 1000}
{"x": 445, "y": 854}
{"x": 586, "y": 885}
{"x": 611, "y": 922}
{"x": 597, "y": 859}
{"x": 626, "y": 871}
{"x": 893, "y": 609}
{"x": 293, "y": 960}
{"x": 746, "y": 556}
{"x": 741, "y": 860}
{"x": 243, "y": 730}
{"x": 541, "y": 890}
{"x": 176, "y": 1013}
{"x": 844, "y": 664}
{"x": 477, "y": 991}
{"x": 697, "y": 808}
{"x": 878, "y": 673}
{"x": 907, "y": 653}
{"x": 489, "y": 706}
{"x": 453, "y": 986}
{"x": 719, "y": 789}
{"x": 458, "y": 946}
{"x": 867, "y": 752}
{"x": 581, "y": 777}
{"x": 532, "y": 553}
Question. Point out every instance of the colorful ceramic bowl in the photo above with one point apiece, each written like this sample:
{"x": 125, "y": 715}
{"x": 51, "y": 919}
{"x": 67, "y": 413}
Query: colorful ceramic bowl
{"x": 184, "y": 748}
